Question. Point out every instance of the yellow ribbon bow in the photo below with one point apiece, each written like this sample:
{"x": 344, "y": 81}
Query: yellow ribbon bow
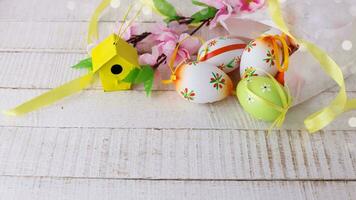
{"x": 340, "y": 104}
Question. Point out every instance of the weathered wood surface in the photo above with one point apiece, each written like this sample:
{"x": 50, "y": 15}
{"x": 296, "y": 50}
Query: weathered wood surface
{"x": 98, "y": 145}
{"x": 165, "y": 109}
{"x": 177, "y": 154}
{"x": 92, "y": 189}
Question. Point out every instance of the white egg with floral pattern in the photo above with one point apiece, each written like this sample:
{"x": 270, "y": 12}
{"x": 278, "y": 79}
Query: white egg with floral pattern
{"x": 201, "y": 82}
{"x": 222, "y": 52}
{"x": 259, "y": 58}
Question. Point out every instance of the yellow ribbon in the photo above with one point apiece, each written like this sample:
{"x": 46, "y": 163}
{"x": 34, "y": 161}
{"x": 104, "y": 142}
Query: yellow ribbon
{"x": 340, "y": 104}
{"x": 173, "y": 58}
{"x": 69, "y": 88}
{"x": 93, "y": 25}
{"x": 52, "y": 96}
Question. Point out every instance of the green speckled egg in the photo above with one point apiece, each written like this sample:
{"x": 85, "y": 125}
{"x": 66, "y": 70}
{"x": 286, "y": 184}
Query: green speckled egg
{"x": 262, "y": 87}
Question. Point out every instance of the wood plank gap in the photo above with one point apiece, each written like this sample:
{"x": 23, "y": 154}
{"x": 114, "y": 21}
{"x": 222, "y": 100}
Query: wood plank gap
{"x": 182, "y": 179}
{"x": 73, "y": 20}
{"x": 160, "y": 129}
{"x": 45, "y": 50}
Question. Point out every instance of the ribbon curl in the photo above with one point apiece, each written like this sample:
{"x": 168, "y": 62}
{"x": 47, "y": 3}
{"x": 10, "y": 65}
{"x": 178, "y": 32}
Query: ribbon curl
{"x": 341, "y": 103}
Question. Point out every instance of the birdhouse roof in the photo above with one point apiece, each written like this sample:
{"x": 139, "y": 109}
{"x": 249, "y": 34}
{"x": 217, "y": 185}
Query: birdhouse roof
{"x": 111, "y": 47}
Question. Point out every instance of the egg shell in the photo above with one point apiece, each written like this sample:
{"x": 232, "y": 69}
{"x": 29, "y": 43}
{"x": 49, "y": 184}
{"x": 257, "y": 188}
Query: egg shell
{"x": 223, "y": 52}
{"x": 263, "y": 87}
{"x": 200, "y": 82}
{"x": 259, "y": 58}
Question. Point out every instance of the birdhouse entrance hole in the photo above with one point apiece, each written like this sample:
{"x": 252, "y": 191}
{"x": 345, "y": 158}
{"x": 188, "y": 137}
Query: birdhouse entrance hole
{"x": 116, "y": 69}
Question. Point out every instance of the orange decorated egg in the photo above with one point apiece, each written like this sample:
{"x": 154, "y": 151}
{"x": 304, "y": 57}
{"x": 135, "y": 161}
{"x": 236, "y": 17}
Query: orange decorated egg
{"x": 222, "y": 52}
{"x": 201, "y": 82}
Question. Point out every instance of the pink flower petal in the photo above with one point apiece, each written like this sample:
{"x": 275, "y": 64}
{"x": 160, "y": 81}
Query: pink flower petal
{"x": 166, "y": 36}
{"x": 183, "y": 54}
{"x": 168, "y": 48}
{"x": 191, "y": 44}
{"x": 251, "y": 5}
{"x": 147, "y": 59}
{"x": 222, "y": 15}
{"x": 177, "y": 28}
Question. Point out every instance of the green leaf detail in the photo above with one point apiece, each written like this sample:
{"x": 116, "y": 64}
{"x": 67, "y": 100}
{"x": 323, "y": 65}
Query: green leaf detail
{"x": 198, "y": 3}
{"x": 131, "y": 77}
{"x": 144, "y": 74}
{"x": 170, "y": 19}
{"x": 165, "y": 8}
{"x": 84, "y": 64}
{"x": 148, "y": 86}
{"x": 206, "y": 13}
{"x": 231, "y": 64}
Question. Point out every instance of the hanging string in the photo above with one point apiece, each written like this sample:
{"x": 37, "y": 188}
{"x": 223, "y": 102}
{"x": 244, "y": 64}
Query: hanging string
{"x": 132, "y": 20}
{"x": 125, "y": 18}
{"x": 171, "y": 62}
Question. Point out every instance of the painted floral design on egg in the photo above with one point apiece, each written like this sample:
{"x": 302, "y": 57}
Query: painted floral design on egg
{"x": 270, "y": 58}
{"x": 266, "y": 88}
{"x": 250, "y": 46}
{"x": 193, "y": 63}
{"x": 260, "y": 55}
{"x": 212, "y": 43}
{"x": 222, "y": 52}
{"x": 188, "y": 94}
{"x": 221, "y": 66}
{"x": 202, "y": 83}
{"x": 217, "y": 80}
{"x": 250, "y": 71}
{"x": 250, "y": 99}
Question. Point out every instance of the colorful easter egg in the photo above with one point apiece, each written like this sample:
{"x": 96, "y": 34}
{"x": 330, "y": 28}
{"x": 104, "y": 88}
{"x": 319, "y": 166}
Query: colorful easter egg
{"x": 223, "y": 52}
{"x": 259, "y": 58}
{"x": 261, "y": 96}
{"x": 201, "y": 82}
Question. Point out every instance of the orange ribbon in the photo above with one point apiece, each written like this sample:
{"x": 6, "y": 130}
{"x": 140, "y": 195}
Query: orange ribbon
{"x": 282, "y": 68}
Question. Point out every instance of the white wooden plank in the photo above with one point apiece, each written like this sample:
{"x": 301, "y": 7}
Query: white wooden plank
{"x": 14, "y": 188}
{"x": 77, "y": 10}
{"x": 177, "y": 154}
{"x": 68, "y": 37}
{"x": 132, "y": 109}
{"x": 49, "y": 36}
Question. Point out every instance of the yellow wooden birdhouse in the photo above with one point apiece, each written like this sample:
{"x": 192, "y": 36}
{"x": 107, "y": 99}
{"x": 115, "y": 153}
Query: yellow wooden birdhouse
{"x": 114, "y": 58}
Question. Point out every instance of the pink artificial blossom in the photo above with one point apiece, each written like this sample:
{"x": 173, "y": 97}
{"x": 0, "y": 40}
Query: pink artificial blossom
{"x": 149, "y": 58}
{"x": 166, "y": 39}
{"x": 225, "y": 10}
{"x": 229, "y": 8}
{"x": 251, "y": 5}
